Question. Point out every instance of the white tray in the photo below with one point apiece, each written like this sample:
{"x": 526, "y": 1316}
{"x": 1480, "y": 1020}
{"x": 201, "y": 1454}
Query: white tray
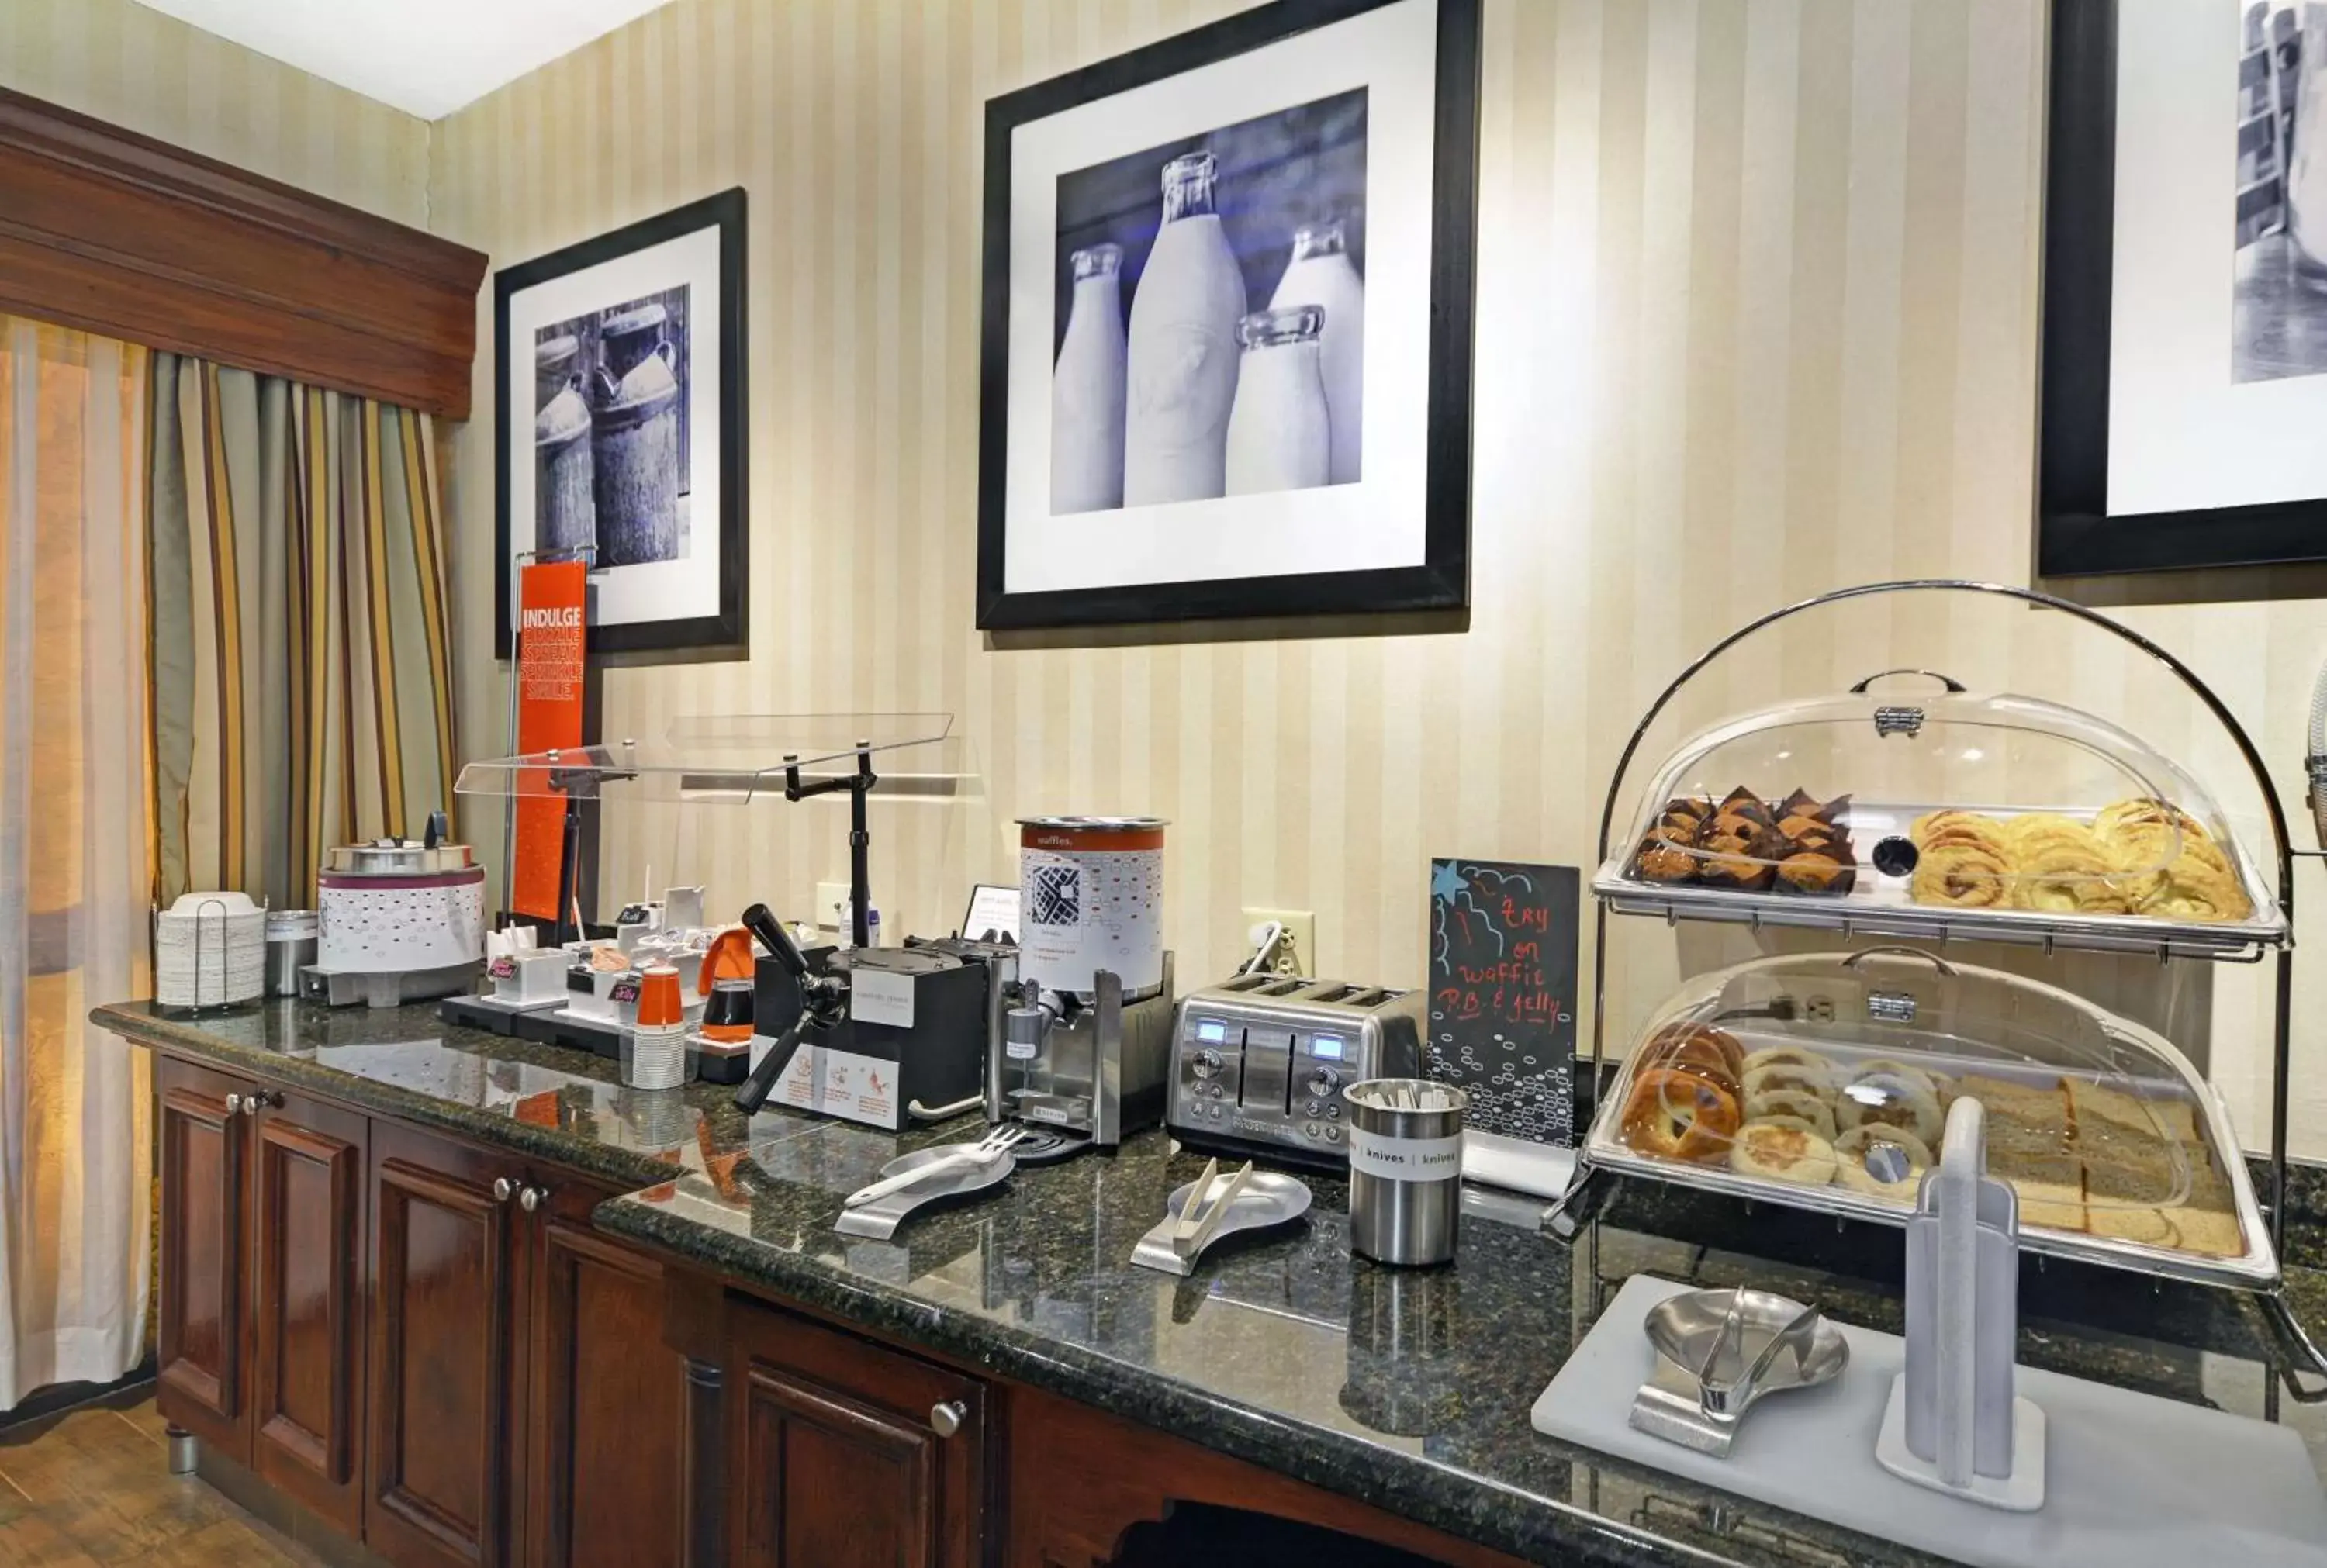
{"x": 2133, "y": 1481}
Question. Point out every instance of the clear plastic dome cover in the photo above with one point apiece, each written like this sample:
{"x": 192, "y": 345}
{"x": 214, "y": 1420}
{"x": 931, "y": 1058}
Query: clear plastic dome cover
{"x": 1823, "y": 1080}
{"x": 1992, "y": 808}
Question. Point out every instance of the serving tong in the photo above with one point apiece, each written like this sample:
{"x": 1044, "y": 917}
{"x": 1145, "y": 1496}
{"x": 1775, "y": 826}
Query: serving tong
{"x": 1213, "y": 1206}
{"x": 1718, "y": 1352}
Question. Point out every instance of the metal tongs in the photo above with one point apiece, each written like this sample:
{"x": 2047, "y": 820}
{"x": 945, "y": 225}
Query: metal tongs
{"x": 1191, "y": 1234}
{"x": 1718, "y": 1351}
{"x": 1214, "y": 1206}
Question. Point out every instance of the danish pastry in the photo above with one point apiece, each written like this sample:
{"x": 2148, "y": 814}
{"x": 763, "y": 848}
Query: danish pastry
{"x": 2193, "y": 889}
{"x": 2061, "y": 876}
{"x": 1963, "y": 873}
{"x": 1676, "y": 1115}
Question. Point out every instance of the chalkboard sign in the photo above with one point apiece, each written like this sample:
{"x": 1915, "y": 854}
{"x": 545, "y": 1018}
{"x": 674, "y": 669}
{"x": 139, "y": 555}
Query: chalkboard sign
{"x": 1502, "y": 993}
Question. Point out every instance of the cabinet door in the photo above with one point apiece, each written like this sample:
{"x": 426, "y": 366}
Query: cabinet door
{"x": 841, "y": 1462}
{"x": 307, "y": 1260}
{"x": 605, "y": 1403}
{"x": 442, "y": 1355}
{"x": 205, "y": 1262}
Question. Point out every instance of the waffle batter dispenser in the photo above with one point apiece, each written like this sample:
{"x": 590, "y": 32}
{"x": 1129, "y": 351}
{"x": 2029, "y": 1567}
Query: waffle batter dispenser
{"x": 1085, "y": 1049}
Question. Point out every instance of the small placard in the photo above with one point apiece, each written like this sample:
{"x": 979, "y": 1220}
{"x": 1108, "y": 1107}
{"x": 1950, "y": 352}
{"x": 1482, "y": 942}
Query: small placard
{"x": 878, "y": 996}
{"x": 1502, "y": 993}
{"x": 993, "y": 913}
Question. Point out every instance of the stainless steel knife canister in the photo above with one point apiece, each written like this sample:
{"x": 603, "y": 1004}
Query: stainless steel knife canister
{"x": 1406, "y": 1169}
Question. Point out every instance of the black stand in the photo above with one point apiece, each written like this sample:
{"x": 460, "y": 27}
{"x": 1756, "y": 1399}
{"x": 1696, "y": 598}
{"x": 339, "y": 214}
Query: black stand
{"x": 859, "y": 784}
{"x": 570, "y": 782}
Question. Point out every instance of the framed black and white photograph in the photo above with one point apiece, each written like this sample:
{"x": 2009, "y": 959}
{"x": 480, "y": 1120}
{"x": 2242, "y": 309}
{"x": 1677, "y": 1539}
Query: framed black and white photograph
{"x": 2184, "y": 399}
{"x": 1226, "y": 324}
{"x": 624, "y": 354}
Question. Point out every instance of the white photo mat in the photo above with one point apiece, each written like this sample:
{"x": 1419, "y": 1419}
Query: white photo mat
{"x": 687, "y": 588}
{"x": 2183, "y": 435}
{"x": 1376, "y": 522}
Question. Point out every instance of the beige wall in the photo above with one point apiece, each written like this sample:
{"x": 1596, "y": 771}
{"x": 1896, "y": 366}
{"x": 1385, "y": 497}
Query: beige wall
{"x": 1757, "y": 300}
{"x": 154, "y": 74}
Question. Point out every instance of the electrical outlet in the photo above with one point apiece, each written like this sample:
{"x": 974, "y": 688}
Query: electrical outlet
{"x": 1299, "y": 955}
{"x": 831, "y": 898}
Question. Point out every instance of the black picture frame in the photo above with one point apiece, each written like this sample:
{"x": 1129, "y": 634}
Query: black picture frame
{"x": 2076, "y": 535}
{"x": 1441, "y": 581}
{"x": 726, "y": 634}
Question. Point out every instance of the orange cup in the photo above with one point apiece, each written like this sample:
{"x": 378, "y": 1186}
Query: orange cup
{"x": 658, "y": 1003}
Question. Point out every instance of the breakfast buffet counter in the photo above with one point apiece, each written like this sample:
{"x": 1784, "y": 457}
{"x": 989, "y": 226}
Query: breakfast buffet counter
{"x": 1291, "y": 1380}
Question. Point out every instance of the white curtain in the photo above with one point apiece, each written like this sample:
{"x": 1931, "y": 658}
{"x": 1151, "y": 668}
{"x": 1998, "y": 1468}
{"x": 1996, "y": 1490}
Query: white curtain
{"x": 76, "y": 855}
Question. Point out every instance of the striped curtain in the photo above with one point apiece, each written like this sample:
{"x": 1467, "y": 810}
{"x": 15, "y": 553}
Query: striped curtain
{"x": 301, "y": 651}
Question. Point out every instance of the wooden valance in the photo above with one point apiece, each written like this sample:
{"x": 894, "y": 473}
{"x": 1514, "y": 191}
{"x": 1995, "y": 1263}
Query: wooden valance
{"x": 116, "y": 233}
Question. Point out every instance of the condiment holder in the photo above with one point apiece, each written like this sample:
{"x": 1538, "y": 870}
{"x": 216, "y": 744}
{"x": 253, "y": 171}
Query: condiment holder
{"x": 1718, "y": 1352}
{"x": 1216, "y": 1205}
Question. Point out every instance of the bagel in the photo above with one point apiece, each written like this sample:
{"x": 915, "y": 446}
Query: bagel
{"x": 1851, "y": 1148}
{"x": 1885, "y": 1101}
{"x": 1675, "y": 1115}
{"x": 1783, "y": 1150}
{"x": 1787, "y": 1056}
{"x": 1815, "y": 1080}
{"x": 1791, "y": 1105}
{"x": 1723, "y": 1044}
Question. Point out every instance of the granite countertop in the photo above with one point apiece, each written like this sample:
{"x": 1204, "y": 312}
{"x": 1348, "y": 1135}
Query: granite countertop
{"x": 1408, "y": 1389}
{"x": 542, "y": 1101}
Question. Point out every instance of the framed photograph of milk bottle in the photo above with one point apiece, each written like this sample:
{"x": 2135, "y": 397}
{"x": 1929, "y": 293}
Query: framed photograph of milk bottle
{"x": 619, "y": 361}
{"x": 1226, "y": 324}
{"x": 2184, "y": 387}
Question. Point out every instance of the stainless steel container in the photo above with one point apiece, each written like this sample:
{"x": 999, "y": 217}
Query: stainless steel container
{"x": 291, "y": 937}
{"x": 1406, "y": 1169}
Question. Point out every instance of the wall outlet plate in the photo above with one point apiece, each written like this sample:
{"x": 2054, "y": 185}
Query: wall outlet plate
{"x": 1301, "y": 924}
{"x": 831, "y": 898}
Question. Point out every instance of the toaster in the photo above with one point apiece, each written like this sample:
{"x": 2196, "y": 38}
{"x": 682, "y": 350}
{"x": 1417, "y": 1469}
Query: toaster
{"x": 1258, "y": 1062}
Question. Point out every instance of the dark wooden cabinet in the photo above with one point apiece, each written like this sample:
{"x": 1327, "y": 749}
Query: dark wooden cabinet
{"x": 524, "y": 1407}
{"x": 205, "y": 1283}
{"x": 307, "y": 1256}
{"x": 441, "y": 1385}
{"x": 262, "y": 1282}
{"x": 605, "y": 1401}
{"x": 847, "y": 1455}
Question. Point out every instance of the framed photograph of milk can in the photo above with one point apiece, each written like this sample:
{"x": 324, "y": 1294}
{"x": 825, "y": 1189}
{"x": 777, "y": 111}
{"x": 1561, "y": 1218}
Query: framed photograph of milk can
{"x": 2184, "y": 391}
{"x": 619, "y": 362}
{"x": 1227, "y": 321}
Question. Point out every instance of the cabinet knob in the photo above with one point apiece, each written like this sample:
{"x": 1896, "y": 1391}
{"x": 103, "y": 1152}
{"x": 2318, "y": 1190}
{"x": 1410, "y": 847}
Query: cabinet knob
{"x": 252, "y": 1104}
{"x": 529, "y": 1198}
{"x": 502, "y": 1190}
{"x": 234, "y": 1104}
{"x": 946, "y": 1419}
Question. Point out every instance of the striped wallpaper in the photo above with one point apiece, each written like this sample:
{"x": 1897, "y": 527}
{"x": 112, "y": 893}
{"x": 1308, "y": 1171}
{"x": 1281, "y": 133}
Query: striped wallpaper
{"x": 1757, "y": 304}
{"x": 154, "y": 74}
{"x": 1757, "y": 317}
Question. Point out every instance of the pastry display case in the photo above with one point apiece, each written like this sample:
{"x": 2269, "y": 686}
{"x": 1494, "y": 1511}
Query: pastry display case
{"x": 1823, "y": 1080}
{"x": 1942, "y": 815}
{"x": 1909, "y": 808}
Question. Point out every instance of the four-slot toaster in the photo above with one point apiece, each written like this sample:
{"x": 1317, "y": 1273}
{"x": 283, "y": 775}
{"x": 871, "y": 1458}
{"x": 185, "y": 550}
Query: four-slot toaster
{"x": 1258, "y": 1062}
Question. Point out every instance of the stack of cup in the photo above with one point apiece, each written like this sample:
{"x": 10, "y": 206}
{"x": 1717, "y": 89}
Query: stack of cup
{"x": 655, "y": 1049}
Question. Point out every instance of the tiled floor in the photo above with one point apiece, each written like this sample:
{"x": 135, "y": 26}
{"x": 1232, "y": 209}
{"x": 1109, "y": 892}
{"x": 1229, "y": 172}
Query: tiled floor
{"x": 92, "y": 1486}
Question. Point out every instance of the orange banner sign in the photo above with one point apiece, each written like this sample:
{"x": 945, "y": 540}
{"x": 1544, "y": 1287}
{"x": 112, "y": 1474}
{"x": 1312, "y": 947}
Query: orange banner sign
{"x": 549, "y": 675}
